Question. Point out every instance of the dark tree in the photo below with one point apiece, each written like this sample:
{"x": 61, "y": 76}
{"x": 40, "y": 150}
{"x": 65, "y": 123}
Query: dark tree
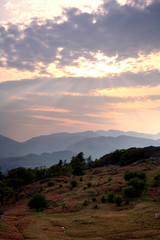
{"x": 77, "y": 163}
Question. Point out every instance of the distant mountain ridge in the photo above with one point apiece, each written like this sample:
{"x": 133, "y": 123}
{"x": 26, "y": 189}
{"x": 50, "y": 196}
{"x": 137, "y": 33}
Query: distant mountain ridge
{"x": 92, "y": 143}
{"x": 38, "y": 145}
{"x": 99, "y": 146}
{"x": 60, "y": 142}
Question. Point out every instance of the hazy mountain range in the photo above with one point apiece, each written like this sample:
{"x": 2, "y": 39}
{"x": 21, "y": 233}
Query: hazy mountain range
{"x": 49, "y": 149}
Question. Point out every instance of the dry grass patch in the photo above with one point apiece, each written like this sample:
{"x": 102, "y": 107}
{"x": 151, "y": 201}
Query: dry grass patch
{"x": 105, "y": 223}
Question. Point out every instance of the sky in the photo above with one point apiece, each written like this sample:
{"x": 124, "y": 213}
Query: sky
{"x": 70, "y": 66}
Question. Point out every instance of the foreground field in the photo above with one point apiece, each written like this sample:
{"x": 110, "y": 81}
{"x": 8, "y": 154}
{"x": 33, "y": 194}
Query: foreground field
{"x": 137, "y": 222}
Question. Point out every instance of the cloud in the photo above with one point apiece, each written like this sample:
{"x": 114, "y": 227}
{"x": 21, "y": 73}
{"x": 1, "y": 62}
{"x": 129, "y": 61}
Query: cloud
{"x": 48, "y": 109}
{"x": 124, "y": 31}
{"x": 142, "y": 91}
{"x": 24, "y": 11}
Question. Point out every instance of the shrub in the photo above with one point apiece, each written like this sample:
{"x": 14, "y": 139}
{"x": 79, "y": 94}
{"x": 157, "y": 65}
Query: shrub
{"x": 111, "y": 196}
{"x": 38, "y": 202}
{"x": 89, "y": 184}
{"x": 157, "y": 179}
{"x": 130, "y": 192}
{"x": 137, "y": 183}
{"x": 118, "y": 200}
{"x": 109, "y": 179}
{"x": 73, "y": 183}
{"x": 94, "y": 199}
{"x": 103, "y": 199}
{"x": 95, "y": 206}
{"x": 2, "y": 227}
{"x": 50, "y": 184}
{"x": 81, "y": 179}
{"x": 85, "y": 203}
{"x": 134, "y": 174}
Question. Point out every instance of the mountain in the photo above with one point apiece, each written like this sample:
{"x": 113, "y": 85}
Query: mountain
{"x": 117, "y": 133}
{"x": 58, "y": 142}
{"x": 54, "y": 142}
{"x": 32, "y": 160}
{"x": 38, "y": 145}
{"x": 98, "y": 146}
{"x": 8, "y": 147}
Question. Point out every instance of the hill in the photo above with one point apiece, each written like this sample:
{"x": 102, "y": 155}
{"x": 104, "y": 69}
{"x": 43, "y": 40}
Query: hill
{"x": 33, "y": 160}
{"x": 78, "y": 212}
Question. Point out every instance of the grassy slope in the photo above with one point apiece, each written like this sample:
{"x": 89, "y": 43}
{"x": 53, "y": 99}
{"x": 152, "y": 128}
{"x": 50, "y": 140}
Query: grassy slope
{"x": 96, "y": 224}
{"x": 68, "y": 219}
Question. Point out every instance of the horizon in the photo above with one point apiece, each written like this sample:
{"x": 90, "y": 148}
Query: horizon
{"x": 72, "y": 66}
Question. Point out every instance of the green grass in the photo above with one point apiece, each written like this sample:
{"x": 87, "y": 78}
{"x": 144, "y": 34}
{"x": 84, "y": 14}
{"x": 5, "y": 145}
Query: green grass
{"x": 2, "y": 227}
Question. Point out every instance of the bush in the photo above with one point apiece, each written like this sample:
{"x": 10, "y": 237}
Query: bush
{"x": 157, "y": 179}
{"x": 81, "y": 179}
{"x": 38, "y": 202}
{"x": 134, "y": 174}
{"x": 111, "y": 196}
{"x": 95, "y": 206}
{"x": 118, "y": 200}
{"x": 73, "y": 183}
{"x": 94, "y": 199}
{"x": 103, "y": 199}
{"x": 130, "y": 192}
{"x": 109, "y": 179}
{"x": 85, "y": 203}
{"x": 89, "y": 184}
{"x": 137, "y": 183}
{"x": 50, "y": 184}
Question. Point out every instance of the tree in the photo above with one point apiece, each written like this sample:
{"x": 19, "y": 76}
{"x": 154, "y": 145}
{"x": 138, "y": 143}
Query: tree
{"x": 20, "y": 176}
{"x": 4, "y": 191}
{"x": 77, "y": 163}
{"x": 40, "y": 173}
{"x": 1, "y": 176}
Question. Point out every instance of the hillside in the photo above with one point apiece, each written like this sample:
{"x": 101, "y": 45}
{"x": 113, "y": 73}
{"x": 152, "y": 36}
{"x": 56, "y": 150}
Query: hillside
{"x": 78, "y": 212}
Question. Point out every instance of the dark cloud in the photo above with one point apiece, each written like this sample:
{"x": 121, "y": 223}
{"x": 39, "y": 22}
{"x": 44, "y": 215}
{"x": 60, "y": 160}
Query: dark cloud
{"x": 123, "y": 30}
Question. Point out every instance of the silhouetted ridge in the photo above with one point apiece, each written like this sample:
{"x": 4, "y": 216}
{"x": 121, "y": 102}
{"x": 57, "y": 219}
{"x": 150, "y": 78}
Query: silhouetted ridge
{"x": 126, "y": 157}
